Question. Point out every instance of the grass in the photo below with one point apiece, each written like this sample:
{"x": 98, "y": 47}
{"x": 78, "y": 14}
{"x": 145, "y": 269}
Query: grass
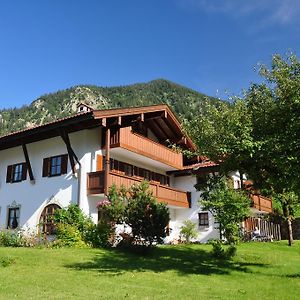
{"x": 259, "y": 271}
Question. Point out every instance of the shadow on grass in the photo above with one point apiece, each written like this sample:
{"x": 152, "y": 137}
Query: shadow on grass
{"x": 293, "y": 275}
{"x": 184, "y": 260}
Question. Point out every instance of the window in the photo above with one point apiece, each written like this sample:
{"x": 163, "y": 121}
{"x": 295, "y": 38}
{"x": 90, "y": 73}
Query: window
{"x": 16, "y": 173}
{"x": 128, "y": 170}
{"x": 13, "y": 220}
{"x": 55, "y": 166}
{"x": 46, "y": 219}
{"x": 147, "y": 175}
{"x": 164, "y": 180}
{"x": 203, "y": 219}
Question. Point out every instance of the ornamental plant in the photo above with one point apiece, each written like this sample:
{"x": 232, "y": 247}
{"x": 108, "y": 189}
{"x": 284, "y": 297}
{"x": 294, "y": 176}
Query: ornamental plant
{"x": 103, "y": 203}
{"x": 188, "y": 230}
{"x": 139, "y": 209}
{"x": 147, "y": 218}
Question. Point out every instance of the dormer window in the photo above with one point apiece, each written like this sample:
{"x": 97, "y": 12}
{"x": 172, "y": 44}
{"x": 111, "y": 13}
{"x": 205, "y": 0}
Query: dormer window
{"x": 81, "y": 108}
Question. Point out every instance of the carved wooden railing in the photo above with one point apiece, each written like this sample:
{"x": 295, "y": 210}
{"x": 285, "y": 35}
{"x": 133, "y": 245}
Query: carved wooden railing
{"x": 137, "y": 143}
{"x": 163, "y": 193}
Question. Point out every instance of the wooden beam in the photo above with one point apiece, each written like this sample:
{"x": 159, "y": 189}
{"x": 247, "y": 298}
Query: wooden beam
{"x": 167, "y": 129}
{"x": 165, "y": 114}
{"x": 154, "y": 115}
{"x": 72, "y": 156}
{"x": 181, "y": 140}
{"x": 27, "y": 160}
{"x": 107, "y": 161}
{"x": 157, "y": 130}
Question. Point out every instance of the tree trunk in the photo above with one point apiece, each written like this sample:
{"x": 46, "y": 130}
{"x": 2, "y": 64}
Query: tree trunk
{"x": 290, "y": 231}
{"x": 286, "y": 213}
{"x": 241, "y": 180}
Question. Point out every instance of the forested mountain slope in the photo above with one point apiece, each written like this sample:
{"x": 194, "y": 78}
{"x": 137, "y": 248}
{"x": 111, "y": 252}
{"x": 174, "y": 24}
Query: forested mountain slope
{"x": 183, "y": 101}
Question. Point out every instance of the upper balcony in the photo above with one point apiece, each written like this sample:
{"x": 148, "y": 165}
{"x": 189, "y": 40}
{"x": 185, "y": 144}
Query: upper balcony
{"x": 171, "y": 196}
{"x": 125, "y": 142}
{"x": 261, "y": 203}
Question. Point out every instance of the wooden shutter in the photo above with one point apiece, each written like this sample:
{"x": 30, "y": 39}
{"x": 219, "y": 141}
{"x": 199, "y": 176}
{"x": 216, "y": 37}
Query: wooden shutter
{"x": 99, "y": 166}
{"x": 64, "y": 164}
{"x": 24, "y": 171}
{"x": 9, "y": 174}
{"x": 46, "y": 167}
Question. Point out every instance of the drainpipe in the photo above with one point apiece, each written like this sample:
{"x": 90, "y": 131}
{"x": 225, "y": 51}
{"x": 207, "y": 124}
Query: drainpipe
{"x": 107, "y": 160}
{"x": 79, "y": 185}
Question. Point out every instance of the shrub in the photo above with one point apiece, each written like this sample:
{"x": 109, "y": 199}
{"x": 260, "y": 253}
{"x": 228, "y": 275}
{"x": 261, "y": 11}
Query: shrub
{"x": 218, "y": 250}
{"x": 6, "y": 261}
{"x": 74, "y": 225}
{"x": 188, "y": 230}
{"x": 68, "y": 236}
{"x": 72, "y": 215}
{"x": 100, "y": 235}
{"x": 11, "y": 238}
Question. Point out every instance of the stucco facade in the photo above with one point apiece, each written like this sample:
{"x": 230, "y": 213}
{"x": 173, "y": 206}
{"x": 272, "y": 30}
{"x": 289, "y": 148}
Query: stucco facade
{"x": 32, "y": 196}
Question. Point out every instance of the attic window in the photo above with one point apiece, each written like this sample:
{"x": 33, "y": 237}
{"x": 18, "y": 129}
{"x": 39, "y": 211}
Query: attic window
{"x": 83, "y": 108}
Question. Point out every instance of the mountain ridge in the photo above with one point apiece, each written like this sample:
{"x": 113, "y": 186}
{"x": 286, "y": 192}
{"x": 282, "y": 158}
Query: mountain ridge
{"x": 64, "y": 103}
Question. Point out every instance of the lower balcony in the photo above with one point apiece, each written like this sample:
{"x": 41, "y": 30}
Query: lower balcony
{"x": 261, "y": 203}
{"x": 171, "y": 196}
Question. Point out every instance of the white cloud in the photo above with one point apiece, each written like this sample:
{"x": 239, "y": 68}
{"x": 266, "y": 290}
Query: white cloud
{"x": 271, "y": 11}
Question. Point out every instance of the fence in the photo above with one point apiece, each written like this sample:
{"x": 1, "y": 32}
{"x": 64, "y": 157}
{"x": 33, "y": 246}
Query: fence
{"x": 266, "y": 228}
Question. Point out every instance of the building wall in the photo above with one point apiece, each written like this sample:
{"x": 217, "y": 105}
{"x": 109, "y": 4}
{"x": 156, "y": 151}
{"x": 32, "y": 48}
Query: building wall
{"x": 178, "y": 216}
{"x": 62, "y": 190}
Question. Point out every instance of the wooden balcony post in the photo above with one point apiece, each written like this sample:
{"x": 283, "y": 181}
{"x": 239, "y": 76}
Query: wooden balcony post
{"x": 107, "y": 160}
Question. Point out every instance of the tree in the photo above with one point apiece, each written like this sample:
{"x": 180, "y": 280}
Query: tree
{"x": 289, "y": 204}
{"x": 224, "y": 134}
{"x": 147, "y": 218}
{"x": 260, "y": 134}
{"x": 274, "y": 107}
{"x": 229, "y": 207}
{"x": 139, "y": 209}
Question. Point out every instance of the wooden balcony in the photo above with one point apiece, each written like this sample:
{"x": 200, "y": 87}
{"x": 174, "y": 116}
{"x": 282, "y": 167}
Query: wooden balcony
{"x": 261, "y": 203}
{"x": 95, "y": 183}
{"x": 171, "y": 196}
{"x": 141, "y": 145}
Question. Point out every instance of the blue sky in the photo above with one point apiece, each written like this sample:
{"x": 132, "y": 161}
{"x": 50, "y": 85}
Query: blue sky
{"x": 209, "y": 45}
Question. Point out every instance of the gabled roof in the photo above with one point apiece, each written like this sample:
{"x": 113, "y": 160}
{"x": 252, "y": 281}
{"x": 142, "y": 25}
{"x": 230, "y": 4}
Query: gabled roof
{"x": 159, "y": 118}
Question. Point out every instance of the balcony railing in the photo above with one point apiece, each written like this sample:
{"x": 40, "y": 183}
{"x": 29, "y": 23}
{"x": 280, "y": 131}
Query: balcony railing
{"x": 95, "y": 183}
{"x": 261, "y": 203}
{"x": 139, "y": 144}
{"x": 171, "y": 196}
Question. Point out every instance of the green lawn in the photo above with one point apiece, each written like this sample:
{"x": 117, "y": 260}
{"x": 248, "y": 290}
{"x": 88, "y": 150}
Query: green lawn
{"x": 260, "y": 271}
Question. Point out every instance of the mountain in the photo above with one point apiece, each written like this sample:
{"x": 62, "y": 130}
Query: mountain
{"x": 64, "y": 103}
